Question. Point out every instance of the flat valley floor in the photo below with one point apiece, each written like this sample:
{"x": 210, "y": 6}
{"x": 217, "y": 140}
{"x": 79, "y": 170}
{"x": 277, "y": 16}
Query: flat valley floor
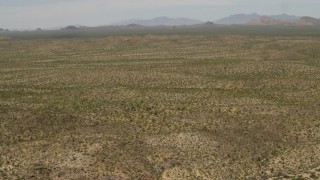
{"x": 160, "y": 107}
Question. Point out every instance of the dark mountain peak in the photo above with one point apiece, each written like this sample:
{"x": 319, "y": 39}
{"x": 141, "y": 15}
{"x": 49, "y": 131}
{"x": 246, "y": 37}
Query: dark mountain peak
{"x": 4, "y": 30}
{"x": 134, "y": 25}
{"x": 209, "y": 23}
{"x": 70, "y": 28}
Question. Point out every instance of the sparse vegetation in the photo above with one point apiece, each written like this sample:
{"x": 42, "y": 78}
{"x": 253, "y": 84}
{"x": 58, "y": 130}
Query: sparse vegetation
{"x": 160, "y": 107}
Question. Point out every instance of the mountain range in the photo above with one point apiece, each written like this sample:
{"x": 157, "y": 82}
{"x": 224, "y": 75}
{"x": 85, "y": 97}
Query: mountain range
{"x": 247, "y": 18}
{"x": 162, "y": 21}
{"x": 237, "y": 19}
{"x": 267, "y": 20}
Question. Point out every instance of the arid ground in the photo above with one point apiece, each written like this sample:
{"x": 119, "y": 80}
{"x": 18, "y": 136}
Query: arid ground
{"x": 160, "y": 107}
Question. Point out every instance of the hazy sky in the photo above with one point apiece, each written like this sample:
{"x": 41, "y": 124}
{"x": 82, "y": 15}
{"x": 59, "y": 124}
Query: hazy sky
{"x": 25, "y": 14}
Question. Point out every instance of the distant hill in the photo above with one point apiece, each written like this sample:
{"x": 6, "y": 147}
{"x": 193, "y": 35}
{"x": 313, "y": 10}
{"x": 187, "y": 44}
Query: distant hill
{"x": 74, "y": 27}
{"x": 4, "y": 30}
{"x": 134, "y": 26}
{"x": 285, "y": 17}
{"x": 209, "y": 23}
{"x": 249, "y": 19}
{"x": 238, "y": 19}
{"x": 70, "y": 28}
{"x": 162, "y": 21}
{"x": 303, "y": 21}
{"x": 267, "y": 20}
{"x": 306, "y": 20}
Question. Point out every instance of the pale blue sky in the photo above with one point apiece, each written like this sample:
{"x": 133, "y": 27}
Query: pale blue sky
{"x": 26, "y": 14}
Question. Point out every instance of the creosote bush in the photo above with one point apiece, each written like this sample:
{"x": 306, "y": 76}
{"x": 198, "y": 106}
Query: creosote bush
{"x": 160, "y": 107}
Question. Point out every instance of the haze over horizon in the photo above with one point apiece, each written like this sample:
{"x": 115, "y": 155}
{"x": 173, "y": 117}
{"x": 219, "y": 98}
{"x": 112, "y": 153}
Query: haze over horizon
{"x": 21, "y": 14}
